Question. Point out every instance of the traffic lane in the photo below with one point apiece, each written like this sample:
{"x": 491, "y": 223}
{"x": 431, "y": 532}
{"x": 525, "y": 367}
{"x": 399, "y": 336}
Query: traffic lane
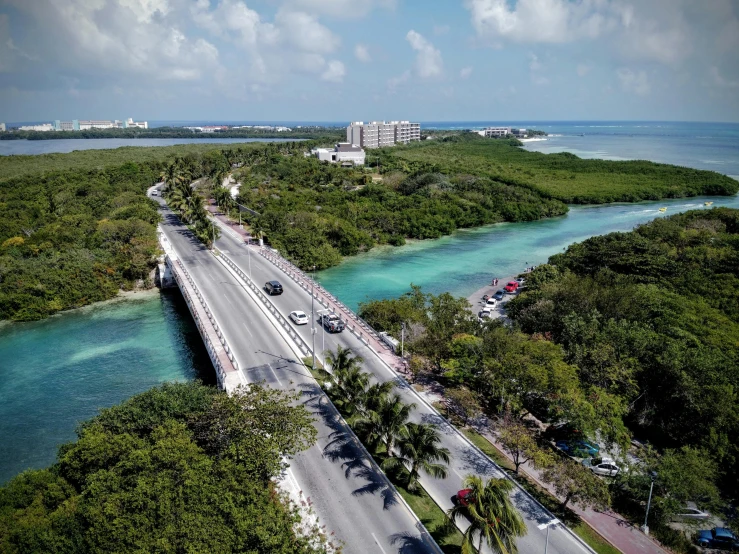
{"x": 465, "y": 460}
{"x": 337, "y": 478}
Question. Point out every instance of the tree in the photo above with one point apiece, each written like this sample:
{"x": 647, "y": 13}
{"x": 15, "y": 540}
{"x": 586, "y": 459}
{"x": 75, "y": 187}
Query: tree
{"x": 389, "y": 423}
{"x": 419, "y": 449}
{"x": 492, "y": 516}
{"x": 575, "y": 483}
{"x": 464, "y": 402}
{"x": 518, "y": 440}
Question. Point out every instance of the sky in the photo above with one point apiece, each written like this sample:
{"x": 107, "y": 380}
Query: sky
{"x": 342, "y": 60}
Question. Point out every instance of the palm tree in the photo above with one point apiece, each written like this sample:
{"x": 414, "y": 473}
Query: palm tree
{"x": 419, "y": 449}
{"x": 491, "y": 514}
{"x": 374, "y": 396}
{"x": 388, "y": 423}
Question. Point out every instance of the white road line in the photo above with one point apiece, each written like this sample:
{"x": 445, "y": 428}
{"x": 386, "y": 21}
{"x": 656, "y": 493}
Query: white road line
{"x": 274, "y": 373}
{"x": 247, "y": 329}
{"x": 458, "y": 475}
{"x": 378, "y": 544}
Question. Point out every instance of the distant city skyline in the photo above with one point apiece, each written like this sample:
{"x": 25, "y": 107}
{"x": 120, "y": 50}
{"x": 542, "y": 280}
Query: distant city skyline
{"x": 339, "y": 60}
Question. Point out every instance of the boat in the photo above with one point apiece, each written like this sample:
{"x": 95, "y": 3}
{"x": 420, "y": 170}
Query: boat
{"x": 663, "y": 209}
{"x": 708, "y": 203}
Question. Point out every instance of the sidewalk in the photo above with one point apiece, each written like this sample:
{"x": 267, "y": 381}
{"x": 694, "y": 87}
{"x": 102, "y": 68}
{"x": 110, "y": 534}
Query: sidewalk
{"x": 613, "y": 527}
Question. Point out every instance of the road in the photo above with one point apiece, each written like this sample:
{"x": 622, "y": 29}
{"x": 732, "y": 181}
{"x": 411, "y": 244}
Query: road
{"x": 350, "y": 495}
{"x": 465, "y": 459}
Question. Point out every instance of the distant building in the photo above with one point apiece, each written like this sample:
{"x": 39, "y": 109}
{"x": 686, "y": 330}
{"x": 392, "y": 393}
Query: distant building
{"x": 343, "y": 153}
{"x": 130, "y": 123}
{"x": 495, "y": 132}
{"x": 2, "y": 127}
{"x": 41, "y": 127}
{"x": 209, "y": 128}
{"x": 378, "y": 134}
{"x": 519, "y": 132}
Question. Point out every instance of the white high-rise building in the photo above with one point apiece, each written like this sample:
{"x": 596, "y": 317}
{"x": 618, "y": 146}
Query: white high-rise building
{"x": 377, "y": 134}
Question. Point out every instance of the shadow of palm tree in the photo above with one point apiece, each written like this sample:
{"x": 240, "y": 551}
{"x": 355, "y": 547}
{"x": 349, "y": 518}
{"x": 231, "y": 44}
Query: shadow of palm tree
{"x": 410, "y": 544}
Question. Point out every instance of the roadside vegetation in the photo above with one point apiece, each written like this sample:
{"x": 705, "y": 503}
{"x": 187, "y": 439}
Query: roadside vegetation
{"x": 629, "y": 334}
{"x": 180, "y": 468}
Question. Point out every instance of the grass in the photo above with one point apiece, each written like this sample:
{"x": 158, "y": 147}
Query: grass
{"x": 551, "y": 503}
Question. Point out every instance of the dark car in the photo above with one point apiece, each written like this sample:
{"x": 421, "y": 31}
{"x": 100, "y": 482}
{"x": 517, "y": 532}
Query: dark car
{"x": 578, "y": 448}
{"x": 718, "y": 537}
{"x": 499, "y": 295}
{"x": 332, "y": 323}
{"x": 273, "y": 287}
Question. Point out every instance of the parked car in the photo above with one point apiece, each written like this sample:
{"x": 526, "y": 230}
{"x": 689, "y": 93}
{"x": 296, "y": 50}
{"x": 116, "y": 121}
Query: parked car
{"x": 464, "y": 497}
{"x": 511, "y": 287}
{"x": 691, "y": 512}
{"x": 718, "y": 537}
{"x": 520, "y": 281}
{"x": 273, "y": 287}
{"x": 578, "y": 448}
{"x": 332, "y": 323}
{"x": 155, "y": 192}
{"x": 491, "y": 303}
{"x": 602, "y": 466}
{"x": 499, "y": 295}
{"x": 299, "y": 318}
{"x": 485, "y": 313}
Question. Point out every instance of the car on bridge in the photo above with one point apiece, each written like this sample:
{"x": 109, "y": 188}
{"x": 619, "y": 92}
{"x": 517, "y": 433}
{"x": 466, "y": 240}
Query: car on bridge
{"x": 273, "y": 287}
{"x": 332, "y": 323}
{"x": 299, "y": 317}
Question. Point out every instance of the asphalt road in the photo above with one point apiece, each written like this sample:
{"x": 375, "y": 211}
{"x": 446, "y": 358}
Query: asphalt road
{"x": 465, "y": 459}
{"x": 349, "y": 495}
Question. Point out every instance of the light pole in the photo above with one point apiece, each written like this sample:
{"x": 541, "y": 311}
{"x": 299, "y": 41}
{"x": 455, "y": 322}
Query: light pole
{"x": 248, "y": 249}
{"x": 645, "y": 527}
{"x": 313, "y": 321}
{"x": 402, "y": 339}
{"x": 323, "y": 331}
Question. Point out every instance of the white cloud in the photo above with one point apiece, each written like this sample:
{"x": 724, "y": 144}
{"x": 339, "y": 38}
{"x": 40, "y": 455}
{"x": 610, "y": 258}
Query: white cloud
{"x": 362, "y": 53}
{"x": 633, "y": 82}
{"x": 583, "y": 69}
{"x": 539, "y": 80}
{"x": 441, "y": 30}
{"x": 553, "y": 21}
{"x": 334, "y": 72}
{"x": 428, "y": 60}
{"x": 394, "y": 82}
{"x": 305, "y": 32}
{"x": 720, "y": 81}
{"x": 465, "y": 73}
{"x": 342, "y": 8}
{"x": 534, "y": 63}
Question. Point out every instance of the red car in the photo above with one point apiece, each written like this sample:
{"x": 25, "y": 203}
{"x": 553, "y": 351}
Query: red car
{"x": 511, "y": 287}
{"x": 464, "y": 497}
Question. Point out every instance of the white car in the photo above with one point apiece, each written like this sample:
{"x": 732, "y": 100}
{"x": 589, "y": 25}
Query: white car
{"x": 602, "y": 466}
{"x": 491, "y": 303}
{"x": 299, "y": 318}
{"x": 691, "y": 511}
{"x": 485, "y": 313}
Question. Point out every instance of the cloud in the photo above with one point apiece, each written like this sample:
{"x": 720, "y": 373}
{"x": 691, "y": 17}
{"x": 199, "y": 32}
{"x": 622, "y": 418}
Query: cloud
{"x": 634, "y": 82}
{"x": 552, "y": 21}
{"x": 583, "y": 69}
{"x": 534, "y": 63}
{"x": 720, "y": 81}
{"x": 441, "y": 30}
{"x": 334, "y": 72}
{"x": 465, "y": 73}
{"x": 348, "y": 9}
{"x": 361, "y": 52}
{"x": 428, "y": 60}
{"x": 539, "y": 80}
{"x": 394, "y": 82}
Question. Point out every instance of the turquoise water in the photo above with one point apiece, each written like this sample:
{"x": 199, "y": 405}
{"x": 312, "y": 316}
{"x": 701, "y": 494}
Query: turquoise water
{"x": 58, "y": 372}
{"x": 467, "y": 260}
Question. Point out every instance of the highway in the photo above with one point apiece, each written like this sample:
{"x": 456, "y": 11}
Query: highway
{"x": 350, "y": 496}
{"x": 465, "y": 459}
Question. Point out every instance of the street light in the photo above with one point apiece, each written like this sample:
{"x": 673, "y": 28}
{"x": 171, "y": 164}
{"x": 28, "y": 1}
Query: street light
{"x": 402, "y": 339}
{"x": 323, "y": 332}
{"x": 313, "y": 320}
{"x": 645, "y": 527}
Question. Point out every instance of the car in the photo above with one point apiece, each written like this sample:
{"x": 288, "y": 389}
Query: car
{"x": 491, "y": 303}
{"x": 273, "y": 287}
{"x": 299, "y": 317}
{"x": 485, "y": 313}
{"x": 602, "y": 466}
{"x": 578, "y": 448}
{"x": 691, "y": 512}
{"x": 155, "y": 192}
{"x": 511, "y": 287}
{"x": 464, "y": 497}
{"x": 332, "y": 323}
{"x": 499, "y": 295}
{"x": 718, "y": 537}
{"x": 520, "y": 281}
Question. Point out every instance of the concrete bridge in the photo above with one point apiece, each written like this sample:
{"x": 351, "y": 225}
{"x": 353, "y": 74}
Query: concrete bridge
{"x": 255, "y": 341}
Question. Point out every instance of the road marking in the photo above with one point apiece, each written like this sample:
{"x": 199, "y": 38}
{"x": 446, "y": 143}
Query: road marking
{"x": 554, "y": 521}
{"x": 455, "y": 471}
{"x": 247, "y": 329}
{"x": 274, "y": 373}
{"x": 378, "y": 544}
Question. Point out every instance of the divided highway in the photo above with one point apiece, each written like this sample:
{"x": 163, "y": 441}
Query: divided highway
{"x": 348, "y": 493}
{"x": 465, "y": 459}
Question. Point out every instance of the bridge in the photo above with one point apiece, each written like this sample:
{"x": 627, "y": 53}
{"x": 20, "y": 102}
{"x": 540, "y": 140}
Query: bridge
{"x": 250, "y": 339}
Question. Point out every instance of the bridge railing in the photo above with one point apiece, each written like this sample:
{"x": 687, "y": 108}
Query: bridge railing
{"x": 178, "y": 269}
{"x": 356, "y": 325}
{"x": 304, "y": 348}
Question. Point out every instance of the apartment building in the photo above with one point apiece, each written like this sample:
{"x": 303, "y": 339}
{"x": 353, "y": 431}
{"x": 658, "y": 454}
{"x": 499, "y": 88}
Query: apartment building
{"x": 377, "y": 134}
{"x": 2, "y": 127}
{"x": 495, "y": 132}
{"x": 343, "y": 153}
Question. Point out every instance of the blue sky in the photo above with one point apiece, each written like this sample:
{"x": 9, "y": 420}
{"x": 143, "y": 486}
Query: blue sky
{"x": 339, "y": 60}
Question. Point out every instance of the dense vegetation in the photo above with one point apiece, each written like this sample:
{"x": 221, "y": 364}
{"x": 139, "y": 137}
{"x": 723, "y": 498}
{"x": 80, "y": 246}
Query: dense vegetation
{"x": 628, "y": 333}
{"x": 305, "y": 132}
{"x": 69, "y": 238}
{"x": 562, "y": 176}
{"x": 180, "y": 468}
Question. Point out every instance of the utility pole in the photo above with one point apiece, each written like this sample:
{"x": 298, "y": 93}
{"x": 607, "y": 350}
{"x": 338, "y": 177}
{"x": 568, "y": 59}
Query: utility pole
{"x": 313, "y": 320}
{"x": 248, "y": 249}
{"x": 402, "y": 339}
{"x": 645, "y": 527}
